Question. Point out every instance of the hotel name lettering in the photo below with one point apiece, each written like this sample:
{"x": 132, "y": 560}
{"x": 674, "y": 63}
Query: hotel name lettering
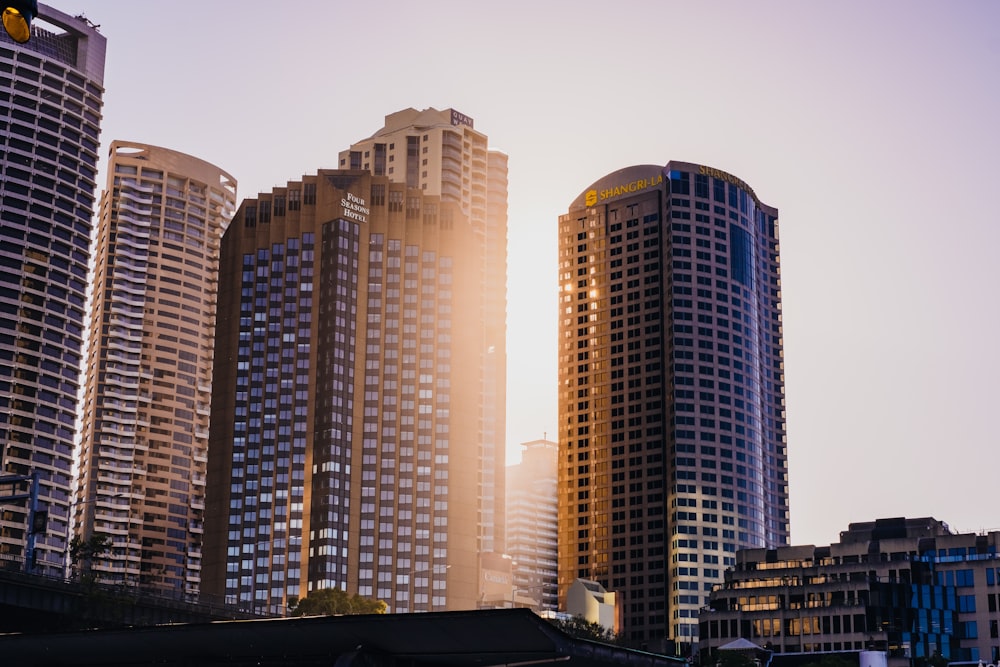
{"x": 354, "y": 208}
{"x": 728, "y": 178}
{"x": 594, "y": 196}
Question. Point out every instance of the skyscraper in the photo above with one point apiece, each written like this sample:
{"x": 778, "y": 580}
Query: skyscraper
{"x": 346, "y": 413}
{"x": 671, "y": 390}
{"x": 147, "y": 388}
{"x": 441, "y": 153}
{"x": 50, "y": 118}
{"x": 532, "y": 525}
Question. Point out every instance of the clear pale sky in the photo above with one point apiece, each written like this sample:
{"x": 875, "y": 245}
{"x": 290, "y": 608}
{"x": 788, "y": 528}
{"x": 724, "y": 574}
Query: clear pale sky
{"x": 874, "y": 127}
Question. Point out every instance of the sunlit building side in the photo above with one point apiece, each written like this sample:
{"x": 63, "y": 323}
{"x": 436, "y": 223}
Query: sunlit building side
{"x": 441, "y": 153}
{"x": 345, "y": 440}
{"x": 532, "y": 525}
{"x": 50, "y": 120}
{"x": 147, "y": 389}
{"x": 671, "y": 391}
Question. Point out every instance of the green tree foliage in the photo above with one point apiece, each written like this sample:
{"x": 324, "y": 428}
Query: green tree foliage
{"x": 83, "y": 552}
{"x": 581, "y": 628}
{"x": 333, "y": 601}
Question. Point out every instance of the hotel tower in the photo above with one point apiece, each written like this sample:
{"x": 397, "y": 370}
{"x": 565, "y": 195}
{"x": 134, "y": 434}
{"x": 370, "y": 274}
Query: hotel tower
{"x": 671, "y": 391}
{"x": 442, "y": 154}
{"x": 148, "y": 370}
{"x": 50, "y": 120}
{"x": 346, "y": 413}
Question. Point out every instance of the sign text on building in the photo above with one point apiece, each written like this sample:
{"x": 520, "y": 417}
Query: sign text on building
{"x": 459, "y": 118}
{"x": 594, "y": 196}
{"x": 354, "y": 208}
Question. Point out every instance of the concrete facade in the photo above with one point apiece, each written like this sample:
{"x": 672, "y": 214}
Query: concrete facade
{"x": 440, "y": 153}
{"x": 147, "y": 388}
{"x": 532, "y": 525}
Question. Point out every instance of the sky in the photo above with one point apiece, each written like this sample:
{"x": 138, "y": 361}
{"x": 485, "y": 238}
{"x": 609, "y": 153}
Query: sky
{"x": 874, "y": 128}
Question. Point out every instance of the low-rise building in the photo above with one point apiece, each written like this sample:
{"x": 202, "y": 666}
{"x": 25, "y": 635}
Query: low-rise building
{"x": 910, "y": 587}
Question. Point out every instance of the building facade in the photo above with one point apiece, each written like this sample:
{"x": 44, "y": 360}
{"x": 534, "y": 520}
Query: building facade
{"x": 909, "y": 587}
{"x": 147, "y": 388}
{"x": 442, "y": 154}
{"x": 532, "y": 526}
{"x": 50, "y": 120}
{"x": 671, "y": 390}
{"x": 345, "y": 438}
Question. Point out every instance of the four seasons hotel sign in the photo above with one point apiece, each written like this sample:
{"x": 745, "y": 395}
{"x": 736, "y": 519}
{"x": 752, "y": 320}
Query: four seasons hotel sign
{"x": 354, "y": 207}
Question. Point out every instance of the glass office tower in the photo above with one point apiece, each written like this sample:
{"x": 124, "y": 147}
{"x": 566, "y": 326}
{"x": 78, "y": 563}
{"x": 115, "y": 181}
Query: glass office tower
{"x": 51, "y": 91}
{"x": 671, "y": 391}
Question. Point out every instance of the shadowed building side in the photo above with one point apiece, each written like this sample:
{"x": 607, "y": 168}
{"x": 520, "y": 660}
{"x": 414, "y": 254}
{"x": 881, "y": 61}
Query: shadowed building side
{"x": 51, "y": 122}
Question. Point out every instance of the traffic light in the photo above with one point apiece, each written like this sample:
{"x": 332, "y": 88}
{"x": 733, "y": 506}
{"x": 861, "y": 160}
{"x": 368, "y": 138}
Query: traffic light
{"x": 17, "y": 17}
{"x": 39, "y": 521}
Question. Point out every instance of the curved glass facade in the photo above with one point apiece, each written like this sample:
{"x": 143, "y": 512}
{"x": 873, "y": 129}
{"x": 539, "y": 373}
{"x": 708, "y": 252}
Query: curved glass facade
{"x": 671, "y": 390}
{"x": 51, "y": 91}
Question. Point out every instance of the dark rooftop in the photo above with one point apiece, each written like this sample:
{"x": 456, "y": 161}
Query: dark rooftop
{"x": 452, "y": 639}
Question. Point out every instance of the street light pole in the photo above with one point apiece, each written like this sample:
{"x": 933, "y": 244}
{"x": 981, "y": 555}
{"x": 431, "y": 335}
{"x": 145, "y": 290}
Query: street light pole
{"x": 36, "y": 519}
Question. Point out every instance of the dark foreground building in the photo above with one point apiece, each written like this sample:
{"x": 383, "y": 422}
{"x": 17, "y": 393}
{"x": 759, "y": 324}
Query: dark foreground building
{"x": 671, "y": 390}
{"x": 455, "y": 639}
{"x": 909, "y": 587}
{"x": 50, "y": 125}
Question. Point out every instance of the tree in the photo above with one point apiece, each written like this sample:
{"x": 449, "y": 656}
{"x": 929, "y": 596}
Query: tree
{"x": 333, "y": 601}
{"x": 83, "y": 552}
{"x": 581, "y": 628}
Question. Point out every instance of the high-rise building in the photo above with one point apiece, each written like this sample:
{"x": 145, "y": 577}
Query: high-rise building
{"x": 147, "y": 388}
{"x": 671, "y": 390}
{"x": 346, "y": 420}
{"x": 532, "y": 525}
{"x": 50, "y": 119}
{"x": 441, "y": 153}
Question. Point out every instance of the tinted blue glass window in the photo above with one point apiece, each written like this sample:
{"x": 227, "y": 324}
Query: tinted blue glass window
{"x": 741, "y": 256}
{"x": 701, "y": 185}
{"x": 719, "y": 192}
{"x": 680, "y": 183}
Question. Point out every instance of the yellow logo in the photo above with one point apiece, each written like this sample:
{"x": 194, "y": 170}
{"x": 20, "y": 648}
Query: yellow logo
{"x": 591, "y": 197}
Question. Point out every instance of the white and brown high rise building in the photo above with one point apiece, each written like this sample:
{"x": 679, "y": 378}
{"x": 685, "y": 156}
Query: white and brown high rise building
{"x": 147, "y": 392}
{"x": 532, "y": 513}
